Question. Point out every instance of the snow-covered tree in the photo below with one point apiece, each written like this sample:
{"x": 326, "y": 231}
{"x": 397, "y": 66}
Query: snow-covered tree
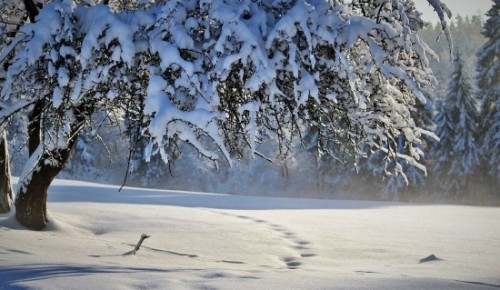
{"x": 219, "y": 75}
{"x": 458, "y": 154}
{"x": 467, "y": 35}
{"x": 377, "y": 169}
{"x": 12, "y": 16}
{"x": 488, "y": 82}
{"x": 441, "y": 151}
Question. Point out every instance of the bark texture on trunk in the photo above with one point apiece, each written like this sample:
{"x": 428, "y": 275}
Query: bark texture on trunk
{"x": 5, "y": 181}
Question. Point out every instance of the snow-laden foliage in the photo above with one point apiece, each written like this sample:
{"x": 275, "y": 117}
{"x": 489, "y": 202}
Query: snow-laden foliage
{"x": 488, "y": 81}
{"x": 11, "y": 18}
{"x": 226, "y": 71}
{"x": 458, "y": 154}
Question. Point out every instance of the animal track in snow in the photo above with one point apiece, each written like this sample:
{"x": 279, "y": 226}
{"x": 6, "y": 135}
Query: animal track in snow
{"x": 297, "y": 245}
{"x": 231, "y": 262}
{"x": 291, "y": 262}
{"x": 307, "y": 255}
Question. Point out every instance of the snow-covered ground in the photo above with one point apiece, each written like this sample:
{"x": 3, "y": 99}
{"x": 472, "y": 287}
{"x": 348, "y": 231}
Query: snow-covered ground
{"x": 214, "y": 241}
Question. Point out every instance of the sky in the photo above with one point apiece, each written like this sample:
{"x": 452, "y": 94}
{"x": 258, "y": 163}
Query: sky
{"x": 462, "y": 7}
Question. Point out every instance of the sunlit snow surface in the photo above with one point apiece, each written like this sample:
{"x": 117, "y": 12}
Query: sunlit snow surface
{"x": 213, "y": 241}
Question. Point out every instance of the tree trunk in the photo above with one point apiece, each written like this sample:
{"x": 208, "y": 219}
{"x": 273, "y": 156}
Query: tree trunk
{"x": 32, "y": 9}
{"x": 5, "y": 181}
{"x": 31, "y": 201}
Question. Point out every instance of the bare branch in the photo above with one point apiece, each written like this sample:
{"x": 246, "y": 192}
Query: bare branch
{"x": 138, "y": 246}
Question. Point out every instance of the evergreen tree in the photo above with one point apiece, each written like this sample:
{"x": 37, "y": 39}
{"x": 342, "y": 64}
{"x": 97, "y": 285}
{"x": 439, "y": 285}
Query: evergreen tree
{"x": 467, "y": 35}
{"x": 488, "y": 80}
{"x": 442, "y": 151}
{"x": 459, "y": 153}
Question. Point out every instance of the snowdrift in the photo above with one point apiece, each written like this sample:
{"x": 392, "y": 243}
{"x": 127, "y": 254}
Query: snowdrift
{"x": 217, "y": 241}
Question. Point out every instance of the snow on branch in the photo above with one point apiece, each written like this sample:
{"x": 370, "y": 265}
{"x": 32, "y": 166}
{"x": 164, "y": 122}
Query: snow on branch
{"x": 443, "y": 13}
{"x": 230, "y": 72}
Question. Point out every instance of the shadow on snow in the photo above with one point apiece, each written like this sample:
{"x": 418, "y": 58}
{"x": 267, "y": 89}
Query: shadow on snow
{"x": 11, "y": 276}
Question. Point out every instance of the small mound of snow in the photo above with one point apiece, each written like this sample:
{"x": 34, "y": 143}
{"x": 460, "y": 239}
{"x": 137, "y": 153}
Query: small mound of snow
{"x": 9, "y": 221}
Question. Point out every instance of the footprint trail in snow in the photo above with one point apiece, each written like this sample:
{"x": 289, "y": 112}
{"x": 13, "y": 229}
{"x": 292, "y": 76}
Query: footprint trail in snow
{"x": 300, "y": 248}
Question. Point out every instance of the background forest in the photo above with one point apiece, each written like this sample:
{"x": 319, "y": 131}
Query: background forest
{"x": 457, "y": 171}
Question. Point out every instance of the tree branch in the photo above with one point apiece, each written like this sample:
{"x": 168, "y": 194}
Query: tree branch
{"x": 138, "y": 246}
{"x": 32, "y": 9}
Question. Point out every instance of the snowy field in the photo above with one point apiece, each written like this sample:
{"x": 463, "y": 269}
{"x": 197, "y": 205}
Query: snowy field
{"x": 214, "y": 241}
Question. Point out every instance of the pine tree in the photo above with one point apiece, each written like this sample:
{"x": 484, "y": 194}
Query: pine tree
{"x": 488, "y": 80}
{"x": 459, "y": 153}
{"x": 442, "y": 151}
{"x": 466, "y": 34}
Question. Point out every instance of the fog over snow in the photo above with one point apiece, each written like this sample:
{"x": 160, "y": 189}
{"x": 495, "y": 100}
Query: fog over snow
{"x": 216, "y": 241}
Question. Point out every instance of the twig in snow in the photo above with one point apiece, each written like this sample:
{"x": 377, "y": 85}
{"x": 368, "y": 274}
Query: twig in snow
{"x": 138, "y": 246}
